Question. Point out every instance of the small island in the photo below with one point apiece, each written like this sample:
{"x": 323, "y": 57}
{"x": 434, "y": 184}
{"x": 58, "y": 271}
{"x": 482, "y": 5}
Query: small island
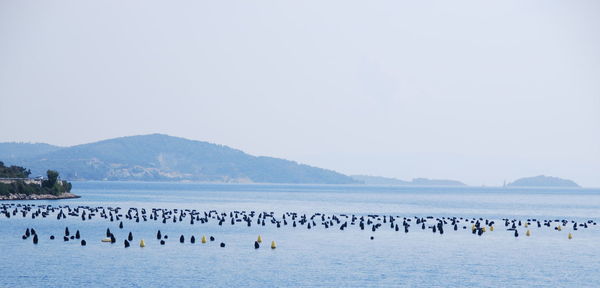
{"x": 15, "y": 184}
{"x": 543, "y": 181}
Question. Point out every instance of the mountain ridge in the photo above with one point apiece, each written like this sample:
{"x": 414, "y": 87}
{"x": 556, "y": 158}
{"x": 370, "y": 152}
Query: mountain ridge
{"x": 17, "y": 150}
{"x": 159, "y": 157}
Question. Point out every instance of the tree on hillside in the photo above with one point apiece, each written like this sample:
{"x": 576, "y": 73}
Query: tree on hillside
{"x": 52, "y": 178}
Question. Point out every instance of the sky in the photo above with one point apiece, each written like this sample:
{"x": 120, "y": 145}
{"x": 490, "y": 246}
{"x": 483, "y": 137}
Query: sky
{"x": 479, "y": 91}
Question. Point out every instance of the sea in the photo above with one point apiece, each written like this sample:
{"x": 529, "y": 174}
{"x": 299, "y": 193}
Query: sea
{"x": 317, "y": 257}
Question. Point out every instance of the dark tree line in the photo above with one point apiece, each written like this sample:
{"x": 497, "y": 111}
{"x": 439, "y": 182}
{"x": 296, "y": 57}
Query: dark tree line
{"x": 13, "y": 171}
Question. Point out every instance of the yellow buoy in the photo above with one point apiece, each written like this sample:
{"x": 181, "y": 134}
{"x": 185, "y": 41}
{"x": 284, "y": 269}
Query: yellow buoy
{"x": 491, "y": 228}
{"x": 259, "y": 240}
{"x": 570, "y": 236}
{"x": 273, "y": 245}
{"x": 528, "y": 233}
{"x": 526, "y": 225}
{"x": 483, "y": 228}
{"x": 106, "y": 240}
{"x": 559, "y": 228}
{"x": 142, "y": 243}
{"x": 203, "y": 239}
{"x": 473, "y": 228}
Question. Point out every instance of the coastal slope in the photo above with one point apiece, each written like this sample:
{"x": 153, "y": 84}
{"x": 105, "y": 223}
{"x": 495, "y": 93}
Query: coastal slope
{"x": 158, "y": 157}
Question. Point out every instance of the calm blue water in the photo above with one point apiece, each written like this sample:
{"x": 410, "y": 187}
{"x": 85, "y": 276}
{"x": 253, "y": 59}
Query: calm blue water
{"x": 309, "y": 258}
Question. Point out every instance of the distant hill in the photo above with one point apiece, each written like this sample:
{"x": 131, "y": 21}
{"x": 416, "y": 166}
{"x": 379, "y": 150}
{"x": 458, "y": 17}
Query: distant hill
{"x": 543, "y": 181}
{"x": 158, "y": 157}
{"x": 10, "y": 151}
{"x": 376, "y": 180}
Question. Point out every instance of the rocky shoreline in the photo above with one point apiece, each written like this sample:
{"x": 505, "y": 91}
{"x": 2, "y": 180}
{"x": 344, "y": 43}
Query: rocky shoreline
{"x": 39, "y": 197}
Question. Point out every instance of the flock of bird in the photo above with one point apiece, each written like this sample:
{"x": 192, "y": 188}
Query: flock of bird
{"x": 476, "y": 226}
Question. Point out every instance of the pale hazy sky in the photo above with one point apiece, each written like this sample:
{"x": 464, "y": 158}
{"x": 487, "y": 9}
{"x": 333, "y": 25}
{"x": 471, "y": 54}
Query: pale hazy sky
{"x": 479, "y": 91}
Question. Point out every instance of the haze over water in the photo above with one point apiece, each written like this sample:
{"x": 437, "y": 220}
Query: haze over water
{"x": 316, "y": 257}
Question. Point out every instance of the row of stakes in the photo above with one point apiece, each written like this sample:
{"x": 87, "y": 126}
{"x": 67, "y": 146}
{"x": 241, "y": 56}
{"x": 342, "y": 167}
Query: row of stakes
{"x": 290, "y": 219}
{"x": 112, "y": 239}
{"x": 527, "y": 233}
